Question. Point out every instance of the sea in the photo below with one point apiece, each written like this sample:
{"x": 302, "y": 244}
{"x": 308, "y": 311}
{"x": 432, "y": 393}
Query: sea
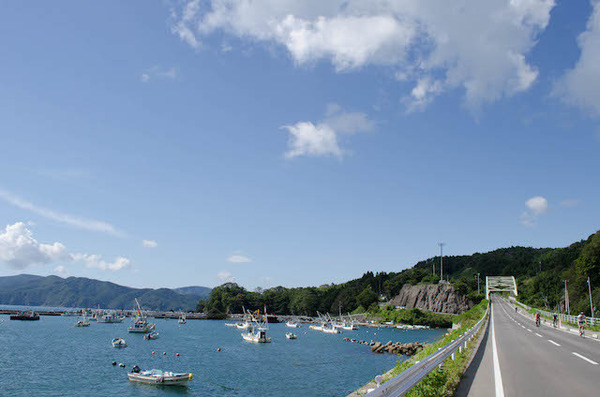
{"x": 52, "y": 357}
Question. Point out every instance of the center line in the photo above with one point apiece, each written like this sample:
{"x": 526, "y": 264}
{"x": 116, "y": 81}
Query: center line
{"x": 497, "y": 374}
{"x": 538, "y": 335}
{"x": 554, "y": 343}
{"x": 585, "y": 358}
{"x": 529, "y": 330}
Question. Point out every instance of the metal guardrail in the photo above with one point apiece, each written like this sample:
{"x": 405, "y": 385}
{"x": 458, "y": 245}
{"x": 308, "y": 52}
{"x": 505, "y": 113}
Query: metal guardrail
{"x": 561, "y": 316}
{"x": 407, "y": 379}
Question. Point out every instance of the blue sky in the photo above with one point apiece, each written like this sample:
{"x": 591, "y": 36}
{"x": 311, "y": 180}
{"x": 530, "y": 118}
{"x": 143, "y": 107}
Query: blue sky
{"x": 292, "y": 143}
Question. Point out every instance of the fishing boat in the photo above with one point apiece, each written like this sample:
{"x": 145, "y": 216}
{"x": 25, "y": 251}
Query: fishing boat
{"x": 82, "y": 322}
{"x": 28, "y": 315}
{"x": 230, "y": 324}
{"x": 139, "y": 323}
{"x": 292, "y": 324}
{"x": 110, "y": 317}
{"x": 330, "y": 329}
{"x": 316, "y": 327}
{"x": 181, "y": 319}
{"x": 119, "y": 342}
{"x": 290, "y": 335}
{"x": 158, "y": 377}
{"x": 151, "y": 335}
{"x": 257, "y": 331}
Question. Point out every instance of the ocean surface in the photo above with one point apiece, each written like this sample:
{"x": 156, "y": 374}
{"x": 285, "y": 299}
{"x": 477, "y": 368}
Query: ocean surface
{"x": 52, "y": 357}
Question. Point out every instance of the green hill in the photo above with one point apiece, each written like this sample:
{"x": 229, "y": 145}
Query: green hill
{"x": 539, "y": 272}
{"x": 30, "y": 290}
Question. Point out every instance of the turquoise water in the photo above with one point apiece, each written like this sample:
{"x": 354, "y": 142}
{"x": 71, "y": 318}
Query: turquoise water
{"x": 51, "y": 357}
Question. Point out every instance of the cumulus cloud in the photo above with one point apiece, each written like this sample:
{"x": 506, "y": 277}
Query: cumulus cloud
{"x": 479, "y": 46}
{"x": 149, "y": 244}
{"x": 238, "y": 259}
{"x": 19, "y": 249}
{"x": 96, "y": 261}
{"x": 322, "y": 139}
{"x": 536, "y": 206}
{"x": 580, "y": 86}
{"x": 80, "y": 223}
{"x": 225, "y": 276}
{"x": 158, "y": 73}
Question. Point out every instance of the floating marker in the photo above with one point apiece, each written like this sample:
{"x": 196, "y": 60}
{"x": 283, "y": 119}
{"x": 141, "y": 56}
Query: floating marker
{"x": 152, "y": 352}
{"x": 177, "y": 354}
{"x": 164, "y": 353}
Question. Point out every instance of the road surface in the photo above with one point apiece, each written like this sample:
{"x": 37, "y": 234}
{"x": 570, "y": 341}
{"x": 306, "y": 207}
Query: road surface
{"x": 531, "y": 361}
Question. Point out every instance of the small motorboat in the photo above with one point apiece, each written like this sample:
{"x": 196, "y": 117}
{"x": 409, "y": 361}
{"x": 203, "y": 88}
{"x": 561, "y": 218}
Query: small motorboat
{"x": 230, "y": 324}
{"x": 119, "y": 342}
{"x": 82, "y": 323}
{"x": 152, "y": 335}
{"x": 181, "y": 319}
{"x": 158, "y": 377}
{"x": 292, "y": 324}
{"x": 290, "y": 335}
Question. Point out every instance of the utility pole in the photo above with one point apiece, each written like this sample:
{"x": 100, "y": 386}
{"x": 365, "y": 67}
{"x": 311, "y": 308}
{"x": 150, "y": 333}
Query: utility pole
{"x": 567, "y": 308}
{"x": 477, "y": 283}
{"x": 433, "y": 266}
{"x": 441, "y": 260}
{"x": 591, "y": 304}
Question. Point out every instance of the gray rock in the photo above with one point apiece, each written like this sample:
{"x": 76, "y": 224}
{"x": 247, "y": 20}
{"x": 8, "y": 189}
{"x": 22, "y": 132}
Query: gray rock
{"x": 441, "y": 298}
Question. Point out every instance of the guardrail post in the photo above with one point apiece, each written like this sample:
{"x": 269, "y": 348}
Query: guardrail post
{"x": 453, "y": 356}
{"x": 459, "y": 349}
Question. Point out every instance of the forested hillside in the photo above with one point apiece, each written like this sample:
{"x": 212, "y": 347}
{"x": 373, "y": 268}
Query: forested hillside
{"x": 539, "y": 273}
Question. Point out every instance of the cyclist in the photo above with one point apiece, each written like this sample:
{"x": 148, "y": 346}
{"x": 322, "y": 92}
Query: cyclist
{"x": 515, "y": 309}
{"x": 554, "y": 320}
{"x": 537, "y": 319}
{"x": 581, "y": 322}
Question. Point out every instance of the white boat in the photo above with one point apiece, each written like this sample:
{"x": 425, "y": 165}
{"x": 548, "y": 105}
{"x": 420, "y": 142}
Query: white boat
{"x": 151, "y": 335}
{"x": 230, "y": 324}
{"x": 119, "y": 342}
{"x": 330, "y": 329}
{"x": 243, "y": 325}
{"x": 292, "y": 324}
{"x": 82, "y": 322}
{"x": 158, "y": 377}
{"x": 139, "y": 324}
{"x": 109, "y": 318}
{"x": 257, "y": 332}
{"x": 181, "y": 319}
{"x": 316, "y": 327}
{"x": 290, "y": 335}
{"x": 350, "y": 327}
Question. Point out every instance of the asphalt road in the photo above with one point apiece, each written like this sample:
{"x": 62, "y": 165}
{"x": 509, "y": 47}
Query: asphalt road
{"x": 531, "y": 361}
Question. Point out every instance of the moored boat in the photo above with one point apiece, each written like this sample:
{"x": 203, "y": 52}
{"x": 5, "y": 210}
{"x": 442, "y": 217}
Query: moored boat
{"x": 158, "y": 377}
{"x": 292, "y": 324}
{"x": 181, "y": 319}
{"x": 28, "y": 315}
{"x": 119, "y": 342}
{"x": 139, "y": 324}
{"x": 290, "y": 335}
{"x": 151, "y": 335}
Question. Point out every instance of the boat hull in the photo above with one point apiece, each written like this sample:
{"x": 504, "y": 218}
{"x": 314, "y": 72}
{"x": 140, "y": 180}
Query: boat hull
{"x": 173, "y": 380}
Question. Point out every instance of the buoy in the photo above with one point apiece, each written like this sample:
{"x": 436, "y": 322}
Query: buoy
{"x": 164, "y": 353}
{"x": 152, "y": 352}
{"x": 121, "y": 365}
{"x": 219, "y": 349}
{"x": 177, "y": 354}
{"x": 114, "y": 363}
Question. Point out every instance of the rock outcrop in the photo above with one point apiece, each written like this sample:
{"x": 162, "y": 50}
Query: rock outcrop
{"x": 440, "y": 298}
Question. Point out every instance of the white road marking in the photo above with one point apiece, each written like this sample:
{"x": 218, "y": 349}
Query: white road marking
{"x": 554, "y": 343}
{"x": 529, "y": 330}
{"x": 585, "y": 358}
{"x": 538, "y": 335}
{"x": 497, "y": 373}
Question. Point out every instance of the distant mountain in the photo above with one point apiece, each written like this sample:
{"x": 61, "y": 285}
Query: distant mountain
{"x": 200, "y": 292}
{"x": 30, "y": 290}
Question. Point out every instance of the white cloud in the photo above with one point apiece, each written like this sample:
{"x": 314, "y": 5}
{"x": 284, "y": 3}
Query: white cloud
{"x": 536, "y": 206}
{"x": 19, "y": 249}
{"x": 149, "y": 244}
{"x": 80, "y": 223}
{"x": 96, "y": 261}
{"x": 580, "y": 86}
{"x": 158, "y": 73}
{"x": 478, "y": 46}
{"x": 62, "y": 270}
{"x": 225, "y": 276}
{"x": 238, "y": 259}
{"x": 322, "y": 139}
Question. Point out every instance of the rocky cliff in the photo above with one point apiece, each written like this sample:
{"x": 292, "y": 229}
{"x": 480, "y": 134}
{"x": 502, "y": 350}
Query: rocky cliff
{"x": 440, "y": 298}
